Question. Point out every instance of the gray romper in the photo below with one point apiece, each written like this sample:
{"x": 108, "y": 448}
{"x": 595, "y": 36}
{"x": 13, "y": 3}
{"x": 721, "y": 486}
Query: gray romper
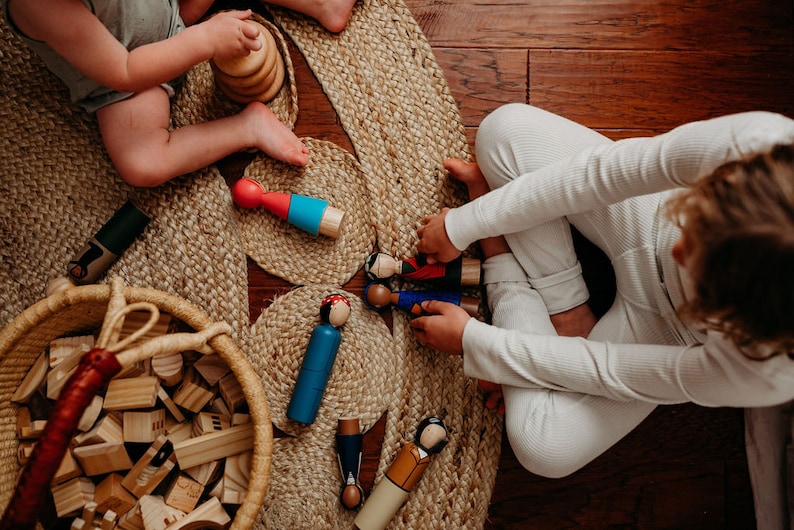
{"x": 133, "y": 23}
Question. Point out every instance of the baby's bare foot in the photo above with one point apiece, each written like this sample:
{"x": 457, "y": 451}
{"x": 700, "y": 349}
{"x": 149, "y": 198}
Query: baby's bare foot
{"x": 274, "y": 138}
{"x": 333, "y": 14}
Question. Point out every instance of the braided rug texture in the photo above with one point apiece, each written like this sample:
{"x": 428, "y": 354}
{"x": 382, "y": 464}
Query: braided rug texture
{"x": 58, "y": 187}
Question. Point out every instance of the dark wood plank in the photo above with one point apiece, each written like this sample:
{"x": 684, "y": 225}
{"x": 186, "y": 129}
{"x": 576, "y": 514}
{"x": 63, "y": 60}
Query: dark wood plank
{"x": 748, "y": 26}
{"x": 656, "y": 91}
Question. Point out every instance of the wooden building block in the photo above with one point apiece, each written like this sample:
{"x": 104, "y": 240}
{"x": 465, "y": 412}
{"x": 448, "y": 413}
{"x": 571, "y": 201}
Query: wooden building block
{"x": 184, "y": 493}
{"x": 90, "y": 415}
{"x": 28, "y": 429}
{"x": 218, "y": 406}
{"x": 107, "y": 429}
{"x": 209, "y": 515}
{"x": 132, "y": 520}
{"x": 238, "y": 418}
{"x": 155, "y": 464}
{"x": 194, "y": 393}
{"x": 32, "y": 381}
{"x": 111, "y": 495}
{"x": 206, "y": 422}
{"x": 98, "y": 459}
{"x": 168, "y": 367}
{"x": 70, "y": 497}
{"x": 178, "y": 432}
{"x": 109, "y": 520}
{"x": 89, "y": 511}
{"x": 205, "y": 473}
{"x": 215, "y": 445}
{"x": 65, "y": 354}
{"x": 232, "y": 392}
{"x": 212, "y": 368}
{"x": 172, "y": 407}
{"x": 68, "y": 469}
{"x": 236, "y": 473}
{"x": 24, "y": 451}
{"x": 156, "y": 514}
{"x": 143, "y": 426}
{"x": 135, "y": 320}
{"x": 132, "y": 393}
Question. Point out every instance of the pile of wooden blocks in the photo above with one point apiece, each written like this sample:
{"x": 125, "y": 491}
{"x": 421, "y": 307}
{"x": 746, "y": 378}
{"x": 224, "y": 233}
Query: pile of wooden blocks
{"x": 168, "y": 446}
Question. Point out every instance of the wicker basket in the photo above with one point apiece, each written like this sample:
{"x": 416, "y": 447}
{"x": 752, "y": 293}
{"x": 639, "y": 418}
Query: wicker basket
{"x": 83, "y": 308}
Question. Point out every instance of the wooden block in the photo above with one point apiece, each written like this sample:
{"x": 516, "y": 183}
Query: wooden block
{"x": 194, "y": 393}
{"x": 24, "y": 451}
{"x": 107, "y": 429}
{"x": 111, "y": 495}
{"x": 184, "y": 493}
{"x": 132, "y": 393}
{"x": 26, "y": 428}
{"x": 236, "y": 473}
{"x": 238, "y": 418}
{"x": 89, "y": 511}
{"x": 156, "y": 514}
{"x": 65, "y": 354}
{"x": 102, "y": 458}
{"x": 109, "y": 520}
{"x": 232, "y": 392}
{"x": 209, "y": 515}
{"x": 70, "y": 497}
{"x": 132, "y": 520}
{"x": 168, "y": 367}
{"x": 205, "y": 473}
{"x": 218, "y": 406}
{"x": 68, "y": 469}
{"x": 91, "y": 413}
{"x": 180, "y": 431}
{"x": 143, "y": 426}
{"x": 212, "y": 368}
{"x": 79, "y": 524}
{"x": 32, "y": 380}
{"x": 206, "y": 422}
{"x": 214, "y": 446}
{"x": 172, "y": 407}
{"x": 155, "y": 464}
{"x": 135, "y": 320}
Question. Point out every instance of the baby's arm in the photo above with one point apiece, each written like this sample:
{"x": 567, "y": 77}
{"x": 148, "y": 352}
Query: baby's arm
{"x": 78, "y": 36}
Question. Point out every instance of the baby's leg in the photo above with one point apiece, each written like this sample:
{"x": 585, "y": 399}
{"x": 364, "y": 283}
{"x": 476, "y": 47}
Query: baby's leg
{"x": 146, "y": 152}
{"x": 333, "y": 15}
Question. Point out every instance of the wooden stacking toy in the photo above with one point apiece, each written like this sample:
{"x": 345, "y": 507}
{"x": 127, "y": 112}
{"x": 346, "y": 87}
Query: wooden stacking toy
{"x": 257, "y": 76}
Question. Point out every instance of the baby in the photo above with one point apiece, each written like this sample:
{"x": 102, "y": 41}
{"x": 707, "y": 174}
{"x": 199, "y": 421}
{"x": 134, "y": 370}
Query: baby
{"x": 121, "y": 59}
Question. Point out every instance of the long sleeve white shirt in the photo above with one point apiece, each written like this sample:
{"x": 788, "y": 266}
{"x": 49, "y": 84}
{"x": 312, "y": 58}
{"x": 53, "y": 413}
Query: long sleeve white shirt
{"x": 710, "y": 372}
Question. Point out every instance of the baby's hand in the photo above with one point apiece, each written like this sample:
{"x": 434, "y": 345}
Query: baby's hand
{"x": 442, "y": 328}
{"x": 231, "y": 35}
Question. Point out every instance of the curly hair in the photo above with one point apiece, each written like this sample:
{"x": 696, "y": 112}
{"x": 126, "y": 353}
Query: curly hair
{"x": 738, "y": 225}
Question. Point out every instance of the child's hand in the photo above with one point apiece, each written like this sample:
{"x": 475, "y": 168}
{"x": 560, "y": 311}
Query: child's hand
{"x": 231, "y": 35}
{"x": 442, "y": 329}
{"x": 433, "y": 239}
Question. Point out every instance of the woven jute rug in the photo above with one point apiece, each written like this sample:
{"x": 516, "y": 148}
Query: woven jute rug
{"x": 58, "y": 187}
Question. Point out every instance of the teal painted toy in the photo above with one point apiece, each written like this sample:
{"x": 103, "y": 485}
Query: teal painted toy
{"x": 313, "y": 215}
{"x": 318, "y": 360}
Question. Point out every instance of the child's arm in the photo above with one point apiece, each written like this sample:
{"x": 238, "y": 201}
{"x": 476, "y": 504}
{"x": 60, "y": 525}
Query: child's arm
{"x": 70, "y": 29}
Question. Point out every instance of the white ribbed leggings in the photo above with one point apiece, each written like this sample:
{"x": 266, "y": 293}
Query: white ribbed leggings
{"x": 554, "y": 433}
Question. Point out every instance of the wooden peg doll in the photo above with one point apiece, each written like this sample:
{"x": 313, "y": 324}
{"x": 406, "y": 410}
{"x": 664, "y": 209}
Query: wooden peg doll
{"x": 392, "y": 491}
{"x": 378, "y": 296}
{"x": 313, "y": 215}
{"x": 349, "y": 443}
{"x": 459, "y": 272}
{"x": 318, "y": 360}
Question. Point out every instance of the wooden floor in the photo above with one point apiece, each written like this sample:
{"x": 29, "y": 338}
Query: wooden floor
{"x": 625, "y": 68}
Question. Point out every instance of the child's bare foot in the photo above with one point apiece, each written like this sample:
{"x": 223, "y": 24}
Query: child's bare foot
{"x": 468, "y": 173}
{"x": 274, "y": 138}
{"x": 494, "y": 399}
